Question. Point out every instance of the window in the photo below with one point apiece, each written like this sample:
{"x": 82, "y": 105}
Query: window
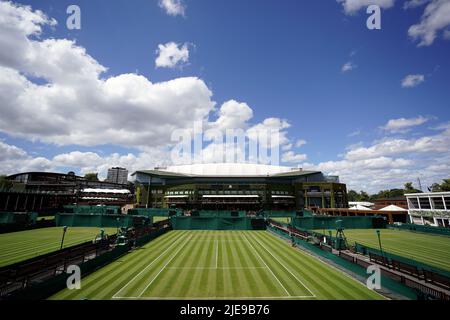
{"x": 437, "y": 203}
{"x": 424, "y": 203}
{"x": 413, "y": 203}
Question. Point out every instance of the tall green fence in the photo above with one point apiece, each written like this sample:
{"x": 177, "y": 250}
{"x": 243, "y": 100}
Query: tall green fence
{"x": 18, "y": 217}
{"x": 217, "y": 223}
{"x": 154, "y": 212}
{"x": 329, "y": 222}
{"x": 420, "y": 228}
{"x": 100, "y": 220}
{"x": 92, "y": 209}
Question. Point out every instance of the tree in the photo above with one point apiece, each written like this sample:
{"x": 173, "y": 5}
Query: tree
{"x": 352, "y": 195}
{"x": 364, "y": 196}
{"x": 445, "y": 186}
{"x": 409, "y": 188}
{"x": 5, "y": 184}
{"x": 91, "y": 176}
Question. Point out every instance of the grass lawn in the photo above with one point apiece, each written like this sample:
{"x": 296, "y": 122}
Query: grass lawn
{"x": 218, "y": 265}
{"x": 22, "y": 245}
{"x": 282, "y": 220}
{"x": 157, "y": 218}
{"x": 433, "y": 250}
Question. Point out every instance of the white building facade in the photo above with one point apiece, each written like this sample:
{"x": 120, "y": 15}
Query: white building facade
{"x": 432, "y": 208}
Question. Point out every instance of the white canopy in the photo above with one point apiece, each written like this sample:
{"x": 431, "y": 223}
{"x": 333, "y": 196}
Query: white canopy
{"x": 231, "y": 196}
{"x": 92, "y": 190}
{"x": 359, "y": 207}
{"x": 392, "y": 208}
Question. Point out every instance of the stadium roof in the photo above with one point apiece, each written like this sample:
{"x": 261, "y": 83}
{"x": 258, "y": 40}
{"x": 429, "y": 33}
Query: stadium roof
{"x": 227, "y": 170}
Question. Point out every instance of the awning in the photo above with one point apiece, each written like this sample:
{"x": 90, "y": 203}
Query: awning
{"x": 231, "y": 196}
{"x": 92, "y": 190}
{"x": 278, "y": 196}
{"x": 177, "y": 196}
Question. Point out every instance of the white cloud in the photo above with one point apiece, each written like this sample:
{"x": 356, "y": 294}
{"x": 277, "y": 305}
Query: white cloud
{"x": 300, "y": 143}
{"x": 435, "y": 18}
{"x": 173, "y": 7}
{"x": 353, "y": 6}
{"x": 77, "y": 105}
{"x": 412, "y": 80}
{"x": 414, "y": 4}
{"x": 171, "y": 55}
{"x": 349, "y": 66}
{"x": 403, "y": 124}
{"x": 292, "y": 157}
{"x": 232, "y": 115}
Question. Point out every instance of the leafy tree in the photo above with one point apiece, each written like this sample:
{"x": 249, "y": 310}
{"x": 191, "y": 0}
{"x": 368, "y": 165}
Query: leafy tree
{"x": 352, "y": 195}
{"x": 364, "y": 196}
{"x": 91, "y": 176}
{"x": 409, "y": 188}
{"x": 445, "y": 186}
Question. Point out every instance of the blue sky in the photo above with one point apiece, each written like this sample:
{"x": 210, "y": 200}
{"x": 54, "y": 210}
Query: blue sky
{"x": 283, "y": 59}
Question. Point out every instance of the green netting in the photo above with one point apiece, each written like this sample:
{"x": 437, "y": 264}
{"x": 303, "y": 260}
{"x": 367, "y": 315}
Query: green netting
{"x": 390, "y": 256}
{"x": 219, "y": 213}
{"x": 92, "y": 209}
{"x": 6, "y": 217}
{"x": 356, "y": 269}
{"x": 328, "y": 222}
{"x": 280, "y": 214}
{"x": 420, "y": 228}
{"x": 100, "y": 220}
{"x": 154, "y": 212}
{"x": 18, "y": 217}
{"x": 216, "y": 223}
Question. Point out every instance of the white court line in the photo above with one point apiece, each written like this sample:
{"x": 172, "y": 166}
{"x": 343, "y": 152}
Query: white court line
{"x": 213, "y": 298}
{"x": 217, "y": 254}
{"x": 153, "y": 261}
{"x": 266, "y": 265}
{"x": 148, "y": 285}
{"x": 214, "y": 268}
{"x": 279, "y": 261}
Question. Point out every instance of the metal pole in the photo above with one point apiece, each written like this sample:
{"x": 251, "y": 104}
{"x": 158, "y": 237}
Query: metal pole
{"x": 62, "y": 240}
{"x": 148, "y": 190}
{"x": 379, "y": 241}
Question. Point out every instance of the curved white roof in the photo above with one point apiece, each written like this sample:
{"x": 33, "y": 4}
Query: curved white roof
{"x": 228, "y": 169}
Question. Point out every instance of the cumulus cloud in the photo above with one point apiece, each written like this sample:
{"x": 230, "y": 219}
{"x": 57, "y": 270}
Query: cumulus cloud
{"x": 414, "y": 3}
{"x": 292, "y": 157}
{"x": 171, "y": 55}
{"x": 300, "y": 143}
{"x": 435, "y": 18}
{"x": 412, "y": 80}
{"x": 403, "y": 124}
{"x": 353, "y": 6}
{"x": 349, "y": 66}
{"x": 173, "y": 7}
{"x": 77, "y": 105}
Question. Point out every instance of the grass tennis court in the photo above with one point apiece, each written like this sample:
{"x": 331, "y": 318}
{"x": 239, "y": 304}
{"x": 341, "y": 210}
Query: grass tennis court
{"x": 433, "y": 250}
{"x": 218, "y": 265}
{"x": 22, "y": 245}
